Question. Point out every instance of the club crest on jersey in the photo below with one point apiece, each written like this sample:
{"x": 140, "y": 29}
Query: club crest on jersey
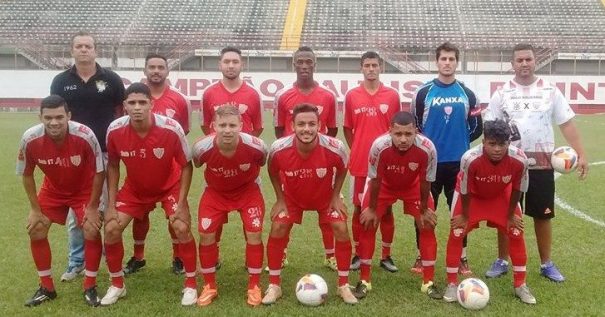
{"x": 244, "y": 167}
{"x": 413, "y": 166}
{"x": 242, "y": 108}
{"x": 101, "y": 85}
{"x": 75, "y": 160}
{"x": 458, "y": 232}
{"x": 383, "y": 108}
{"x": 448, "y": 110}
{"x": 205, "y": 222}
{"x": 158, "y": 152}
{"x": 321, "y": 172}
{"x": 506, "y": 179}
{"x": 170, "y": 113}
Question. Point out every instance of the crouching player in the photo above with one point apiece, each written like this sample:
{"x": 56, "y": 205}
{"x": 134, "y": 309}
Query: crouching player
{"x": 313, "y": 169}
{"x": 233, "y": 160}
{"x": 157, "y": 158}
{"x": 492, "y": 177}
{"x": 69, "y": 155}
{"x": 402, "y": 165}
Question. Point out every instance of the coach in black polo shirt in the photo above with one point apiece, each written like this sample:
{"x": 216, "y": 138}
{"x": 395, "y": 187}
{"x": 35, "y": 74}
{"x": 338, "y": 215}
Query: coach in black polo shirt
{"x": 94, "y": 95}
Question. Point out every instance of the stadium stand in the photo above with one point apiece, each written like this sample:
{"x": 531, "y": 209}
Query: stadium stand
{"x": 40, "y": 30}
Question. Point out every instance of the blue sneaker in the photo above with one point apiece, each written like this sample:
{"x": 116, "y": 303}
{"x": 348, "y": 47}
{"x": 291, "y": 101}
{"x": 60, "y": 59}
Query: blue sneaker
{"x": 551, "y": 272}
{"x": 498, "y": 268}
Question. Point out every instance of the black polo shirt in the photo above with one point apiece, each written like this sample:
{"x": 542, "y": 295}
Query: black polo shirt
{"x": 94, "y": 103}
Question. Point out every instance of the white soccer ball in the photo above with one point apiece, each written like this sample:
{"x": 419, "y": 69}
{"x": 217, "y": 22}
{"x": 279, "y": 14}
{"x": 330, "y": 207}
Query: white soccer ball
{"x": 311, "y": 290}
{"x": 564, "y": 159}
{"x": 473, "y": 294}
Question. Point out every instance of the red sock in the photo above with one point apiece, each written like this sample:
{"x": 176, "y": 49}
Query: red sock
{"x": 42, "y": 258}
{"x": 453, "y": 252}
{"x": 188, "y": 254}
{"x": 208, "y": 259}
{"x": 367, "y": 239}
{"x": 518, "y": 256}
{"x": 387, "y": 231}
{"x": 93, "y": 250}
{"x": 254, "y": 262}
{"x": 275, "y": 254}
{"x": 175, "y": 242}
{"x": 217, "y": 237}
{"x": 428, "y": 253}
{"x": 327, "y": 235}
{"x": 140, "y": 228}
{"x": 114, "y": 255}
{"x": 343, "y": 259}
{"x": 356, "y": 229}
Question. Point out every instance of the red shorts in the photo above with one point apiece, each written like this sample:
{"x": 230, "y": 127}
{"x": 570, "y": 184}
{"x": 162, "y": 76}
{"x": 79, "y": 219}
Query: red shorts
{"x": 56, "y": 208}
{"x": 493, "y": 210}
{"x": 214, "y": 207}
{"x": 411, "y": 205}
{"x": 295, "y": 214}
{"x": 357, "y": 188}
{"x": 129, "y": 202}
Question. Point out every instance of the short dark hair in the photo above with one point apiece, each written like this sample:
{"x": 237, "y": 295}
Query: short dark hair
{"x": 84, "y": 33}
{"x": 403, "y": 118}
{"x": 369, "y": 54}
{"x": 304, "y": 107}
{"x": 137, "y": 88}
{"x": 448, "y": 47}
{"x": 303, "y": 49}
{"x": 523, "y": 47}
{"x": 230, "y": 49}
{"x": 497, "y": 130}
{"x": 53, "y": 102}
{"x": 155, "y": 55}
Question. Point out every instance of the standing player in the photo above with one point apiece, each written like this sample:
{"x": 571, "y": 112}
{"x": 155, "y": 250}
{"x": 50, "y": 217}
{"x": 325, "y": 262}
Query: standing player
{"x": 70, "y": 157}
{"x": 532, "y": 105}
{"x": 168, "y": 102}
{"x": 492, "y": 177}
{"x": 232, "y": 90}
{"x": 147, "y": 142}
{"x": 233, "y": 161}
{"x": 449, "y": 114}
{"x": 368, "y": 110}
{"x": 307, "y": 170}
{"x": 94, "y": 96}
{"x": 307, "y": 90}
{"x": 402, "y": 165}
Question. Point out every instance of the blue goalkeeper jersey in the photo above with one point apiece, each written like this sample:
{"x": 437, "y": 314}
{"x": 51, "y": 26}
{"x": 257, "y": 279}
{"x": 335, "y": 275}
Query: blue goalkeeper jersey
{"x": 449, "y": 115}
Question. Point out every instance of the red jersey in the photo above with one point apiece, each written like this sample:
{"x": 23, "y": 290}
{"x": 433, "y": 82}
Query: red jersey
{"x": 308, "y": 182}
{"x": 401, "y": 172}
{"x": 231, "y": 176}
{"x": 246, "y": 98}
{"x": 369, "y": 117}
{"x": 153, "y": 163}
{"x": 68, "y": 168}
{"x": 174, "y": 105}
{"x": 290, "y": 96}
{"x": 481, "y": 178}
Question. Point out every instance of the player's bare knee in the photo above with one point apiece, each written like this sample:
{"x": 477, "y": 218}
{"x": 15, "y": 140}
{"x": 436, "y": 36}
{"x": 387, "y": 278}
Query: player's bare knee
{"x": 341, "y": 233}
{"x": 254, "y": 238}
{"x": 113, "y": 232}
{"x": 279, "y": 230}
{"x": 181, "y": 229}
{"x": 90, "y": 232}
{"x": 207, "y": 238}
{"x": 39, "y": 231}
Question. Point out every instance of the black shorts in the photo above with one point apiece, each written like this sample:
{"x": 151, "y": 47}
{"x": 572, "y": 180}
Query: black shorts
{"x": 540, "y": 196}
{"x": 445, "y": 180}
